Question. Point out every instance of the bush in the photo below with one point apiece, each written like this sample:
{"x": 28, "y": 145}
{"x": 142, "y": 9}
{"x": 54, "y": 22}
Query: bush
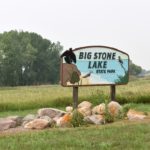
{"x": 108, "y": 117}
{"x": 77, "y": 118}
{"x": 125, "y": 109}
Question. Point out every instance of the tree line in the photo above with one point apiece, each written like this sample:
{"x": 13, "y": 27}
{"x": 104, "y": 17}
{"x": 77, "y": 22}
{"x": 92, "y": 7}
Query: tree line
{"x": 29, "y": 59}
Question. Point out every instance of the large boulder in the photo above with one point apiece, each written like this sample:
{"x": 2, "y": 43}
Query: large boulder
{"x": 85, "y": 111}
{"x": 7, "y": 123}
{"x": 135, "y": 115}
{"x": 114, "y": 108}
{"x": 50, "y": 112}
{"x": 85, "y": 104}
{"x": 37, "y": 124}
{"x": 99, "y": 109}
{"x": 95, "y": 119}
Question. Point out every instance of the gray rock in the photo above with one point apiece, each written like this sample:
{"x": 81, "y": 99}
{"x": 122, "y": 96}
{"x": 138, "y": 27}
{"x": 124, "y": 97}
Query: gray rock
{"x": 95, "y": 119}
{"x": 7, "y": 123}
{"x": 28, "y": 118}
{"x": 50, "y": 112}
{"x": 17, "y": 119}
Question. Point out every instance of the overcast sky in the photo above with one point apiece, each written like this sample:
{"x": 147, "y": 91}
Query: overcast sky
{"x": 123, "y": 24}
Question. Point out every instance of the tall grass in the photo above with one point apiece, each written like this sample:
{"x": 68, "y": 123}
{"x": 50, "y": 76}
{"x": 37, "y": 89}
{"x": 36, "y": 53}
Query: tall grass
{"x": 32, "y": 97}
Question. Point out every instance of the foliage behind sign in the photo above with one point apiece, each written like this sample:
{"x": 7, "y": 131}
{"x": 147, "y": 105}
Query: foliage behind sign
{"x": 94, "y": 65}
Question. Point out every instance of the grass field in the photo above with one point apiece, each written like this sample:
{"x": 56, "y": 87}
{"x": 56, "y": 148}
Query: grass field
{"x": 32, "y": 97}
{"x": 115, "y": 136}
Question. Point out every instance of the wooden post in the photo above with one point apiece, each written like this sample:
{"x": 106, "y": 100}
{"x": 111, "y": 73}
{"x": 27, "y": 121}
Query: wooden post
{"x": 112, "y": 92}
{"x": 75, "y": 97}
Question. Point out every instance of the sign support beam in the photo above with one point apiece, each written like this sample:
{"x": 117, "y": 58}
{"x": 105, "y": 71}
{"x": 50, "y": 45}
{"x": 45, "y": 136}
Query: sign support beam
{"x": 112, "y": 92}
{"x": 75, "y": 97}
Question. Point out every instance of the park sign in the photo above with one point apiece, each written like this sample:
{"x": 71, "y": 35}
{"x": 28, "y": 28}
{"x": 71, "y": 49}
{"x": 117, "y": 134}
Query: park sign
{"x": 94, "y": 65}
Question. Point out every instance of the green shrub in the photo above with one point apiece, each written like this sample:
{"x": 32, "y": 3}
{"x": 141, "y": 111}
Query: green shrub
{"x": 125, "y": 109}
{"x": 108, "y": 117}
{"x": 77, "y": 118}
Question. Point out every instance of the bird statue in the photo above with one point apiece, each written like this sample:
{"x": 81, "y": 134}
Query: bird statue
{"x": 121, "y": 63}
{"x": 69, "y": 56}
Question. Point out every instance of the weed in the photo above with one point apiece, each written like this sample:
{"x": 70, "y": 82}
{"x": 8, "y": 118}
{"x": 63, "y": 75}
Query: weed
{"x": 77, "y": 118}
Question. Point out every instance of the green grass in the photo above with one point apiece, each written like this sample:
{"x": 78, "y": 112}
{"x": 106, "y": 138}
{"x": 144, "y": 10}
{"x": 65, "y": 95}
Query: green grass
{"x": 108, "y": 137}
{"x": 33, "y": 97}
{"x": 18, "y": 113}
{"x": 138, "y": 107}
{"x": 118, "y": 135}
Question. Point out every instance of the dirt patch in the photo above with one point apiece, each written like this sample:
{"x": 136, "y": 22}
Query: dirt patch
{"x": 16, "y": 130}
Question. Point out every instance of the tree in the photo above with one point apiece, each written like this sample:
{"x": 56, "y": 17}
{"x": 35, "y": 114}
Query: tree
{"x": 27, "y": 58}
{"x": 134, "y": 69}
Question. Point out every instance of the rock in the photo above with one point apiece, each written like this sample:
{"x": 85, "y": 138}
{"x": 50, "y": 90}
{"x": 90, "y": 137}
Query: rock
{"x": 85, "y": 108}
{"x": 37, "y": 124}
{"x": 7, "y": 123}
{"x": 55, "y": 119}
{"x": 50, "y": 120}
{"x": 99, "y": 109}
{"x": 69, "y": 109}
{"x": 46, "y": 118}
{"x": 50, "y": 112}
{"x": 114, "y": 108}
{"x": 135, "y": 115}
{"x": 85, "y": 104}
{"x": 95, "y": 119}
{"x": 17, "y": 119}
{"x": 64, "y": 121}
{"x": 85, "y": 111}
{"x": 28, "y": 118}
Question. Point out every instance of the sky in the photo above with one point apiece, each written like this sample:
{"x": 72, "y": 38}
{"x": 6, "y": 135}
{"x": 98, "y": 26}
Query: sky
{"x": 122, "y": 24}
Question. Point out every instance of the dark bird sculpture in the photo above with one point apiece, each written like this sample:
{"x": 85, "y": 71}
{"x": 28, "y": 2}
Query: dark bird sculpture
{"x": 121, "y": 63}
{"x": 120, "y": 60}
{"x": 69, "y": 56}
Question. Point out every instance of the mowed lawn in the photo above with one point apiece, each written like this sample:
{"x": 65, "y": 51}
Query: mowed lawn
{"x": 116, "y": 136}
